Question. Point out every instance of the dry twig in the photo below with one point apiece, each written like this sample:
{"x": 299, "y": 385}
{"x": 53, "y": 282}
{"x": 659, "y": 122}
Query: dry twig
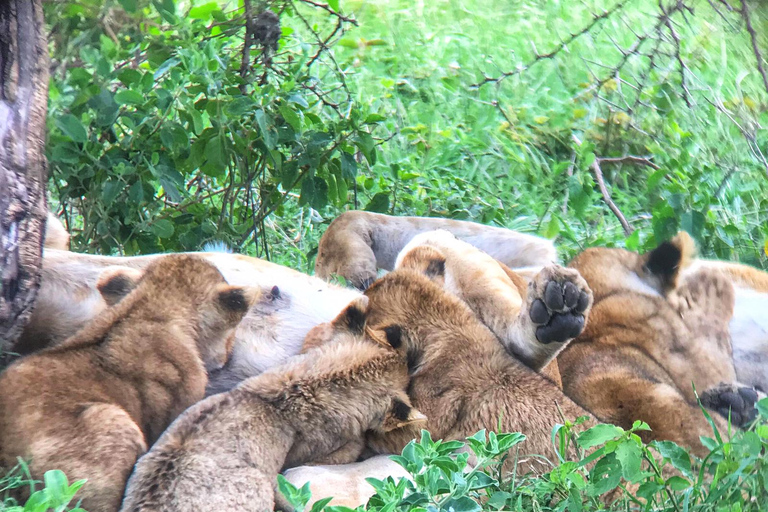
{"x": 604, "y": 191}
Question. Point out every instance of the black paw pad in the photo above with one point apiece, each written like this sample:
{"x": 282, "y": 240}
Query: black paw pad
{"x": 738, "y": 403}
{"x": 539, "y": 313}
{"x": 570, "y": 295}
{"x": 583, "y": 303}
{"x": 561, "y": 328}
{"x": 553, "y": 296}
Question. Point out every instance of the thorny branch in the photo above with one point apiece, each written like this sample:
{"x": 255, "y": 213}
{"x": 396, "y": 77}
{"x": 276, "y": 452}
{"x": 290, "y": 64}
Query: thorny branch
{"x": 247, "y": 40}
{"x": 753, "y": 36}
{"x": 596, "y": 18}
{"x": 598, "y": 172}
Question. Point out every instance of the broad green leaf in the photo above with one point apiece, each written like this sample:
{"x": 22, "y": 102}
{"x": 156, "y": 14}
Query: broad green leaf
{"x": 379, "y": 203}
{"x": 72, "y": 128}
{"x": 216, "y": 154}
{"x": 264, "y": 121}
{"x": 129, "y": 97}
{"x": 163, "y": 228}
{"x": 203, "y": 12}
{"x": 676, "y": 455}
{"x": 599, "y": 434}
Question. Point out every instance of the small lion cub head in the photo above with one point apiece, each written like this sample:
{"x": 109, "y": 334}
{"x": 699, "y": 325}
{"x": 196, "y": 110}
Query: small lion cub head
{"x": 348, "y": 337}
{"x": 185, "y": 288}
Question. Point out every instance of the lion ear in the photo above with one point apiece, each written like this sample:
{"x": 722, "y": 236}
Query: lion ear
{"x": 401, "y": 415}
{"x": 665, "y": 262}
{"x": 116, "y": 282}
{"x": 353, "y": 317}
{"x": 426, "y": 260}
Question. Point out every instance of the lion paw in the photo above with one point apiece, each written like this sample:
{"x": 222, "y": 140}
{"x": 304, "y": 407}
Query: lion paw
{"x": 734, "y": 399}
{"x": 559, "y": 299}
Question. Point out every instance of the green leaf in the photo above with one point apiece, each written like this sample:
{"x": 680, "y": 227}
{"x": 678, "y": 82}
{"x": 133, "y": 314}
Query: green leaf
{"x": 216, "y": 154}
{"x": 268, "y": 136}
{"x": 112, "y": 189}
{"x": 163, "y": 228}
{"x": 462, "y": 504}
{"x": 334, "y": 4}
{"x": 678, "y": 483}
{"x": 367, "y": 146}
{"x": 599, "y": 434}
{"x": 348, "y": 166}
{"x": 291, "y": 117}
{"x": 56, "y": 486}
{"x": 379, "y": 203}
{"x": 72, "y": 128}
{"x": 203, "y": 12}
{"x": 676, "y": 455}
{"x": 693, "y": 223}
{"x": 605, "y": 476}
{"x": 632, "y": 242}
{"x": 129, "y": 97}
{"x": 762, "y": 407}
{"x": 630, "y": 455}
{"x": 129, "y": 5}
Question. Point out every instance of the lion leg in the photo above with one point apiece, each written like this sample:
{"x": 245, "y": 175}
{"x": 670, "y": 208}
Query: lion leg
{"x": 732, "y": 401}
{"x": 555, "y": 311}
{"x": 345, "y": 250}
{"x": 533, "y": 324}
{"x": 343, "y": 455}
{"x": 101, "y": 447}
{"x": 624, "y": 398}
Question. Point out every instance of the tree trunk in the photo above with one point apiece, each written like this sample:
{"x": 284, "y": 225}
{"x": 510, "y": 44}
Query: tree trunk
{"x": 23, "y": 168}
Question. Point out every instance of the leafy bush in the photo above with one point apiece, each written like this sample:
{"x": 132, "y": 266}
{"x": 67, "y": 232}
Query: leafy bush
{"x": 56, "y": 494}
{"x": 615, "y": 470}
{"x": 157, "y": 141}
{"x": 163, "y": 135}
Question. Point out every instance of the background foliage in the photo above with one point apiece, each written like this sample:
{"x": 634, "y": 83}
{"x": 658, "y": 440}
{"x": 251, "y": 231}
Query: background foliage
{"x": 161, "y": 139}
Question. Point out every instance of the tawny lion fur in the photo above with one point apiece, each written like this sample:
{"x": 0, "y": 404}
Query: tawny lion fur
{"x": 358, "y": 243}
{"x": 533, "y": 321}
{"x": 652, "y": 336}
{"x": 92, "y": 405}
{"x": 462, "y": 378}
{"x": 225, "y": 452}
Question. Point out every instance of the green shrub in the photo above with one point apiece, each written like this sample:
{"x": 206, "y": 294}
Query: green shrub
{"x": 56, "y": 494}
{"x": 612, "y": 462}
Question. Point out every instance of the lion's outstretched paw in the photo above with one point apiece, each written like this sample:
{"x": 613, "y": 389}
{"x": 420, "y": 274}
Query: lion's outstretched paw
{"x": 735, "y": 399}
{"x": 559, "y": 300}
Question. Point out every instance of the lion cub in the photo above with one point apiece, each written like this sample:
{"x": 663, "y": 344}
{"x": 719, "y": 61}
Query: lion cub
{"x": 225, "y": 452}
{"x": 653, "y": 335}
{"x": 93, "y": 404}
{"x": 533, "y": 321}
{"x": 462, "y": 378}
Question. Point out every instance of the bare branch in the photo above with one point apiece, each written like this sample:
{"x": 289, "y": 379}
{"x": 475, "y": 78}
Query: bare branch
{"x": 681, "y": 63}
{"x": 245, "y": 63}
{"x": 753, "y": 35}
{"x": 604, "y": 191}
{"x": 630, "y": 159}
{"x": 596, "y": 18}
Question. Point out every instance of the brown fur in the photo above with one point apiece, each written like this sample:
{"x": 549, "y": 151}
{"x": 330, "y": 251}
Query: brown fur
{"x": 461, "y": 376}
{"x": 650, "y": 337}
{"x": 56, "y": 236}
{"x": 95, "y": 403}
{"x": 501, "y": 299}
{"x": 225, "y": 452}
{"x": 358, "y": 243}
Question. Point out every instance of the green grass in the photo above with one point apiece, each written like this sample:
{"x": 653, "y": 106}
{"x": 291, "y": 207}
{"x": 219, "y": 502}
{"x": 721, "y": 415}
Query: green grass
{"x": 448, "y": 150}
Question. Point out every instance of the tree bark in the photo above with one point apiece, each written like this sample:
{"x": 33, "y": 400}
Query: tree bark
{"x": 23, "y": 167}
